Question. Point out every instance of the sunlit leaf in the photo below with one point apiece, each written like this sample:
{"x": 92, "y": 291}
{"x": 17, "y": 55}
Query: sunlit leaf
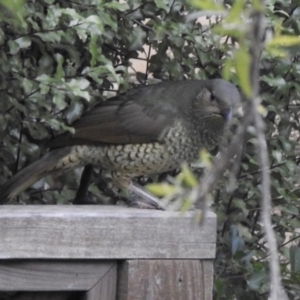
{"x": 262, "y": 110}
{"x": 188, "y": 177}
{"x": 205, "y": 158}
{"x": 242, "y": 65}
{"x": 227, "y": 69}
{"x": 284, "y": 40}
{"x": 236, "y": 11}
{"x": 162, "y": 189}
{"x": 206, "y": 5}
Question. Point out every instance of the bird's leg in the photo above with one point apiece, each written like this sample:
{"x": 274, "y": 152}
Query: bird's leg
{"x": 142, "y": 199}
{"x": 81, "y": 195}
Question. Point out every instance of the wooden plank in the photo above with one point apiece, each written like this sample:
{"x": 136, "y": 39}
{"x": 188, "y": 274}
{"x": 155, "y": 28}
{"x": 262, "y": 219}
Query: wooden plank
{"x": 103, "y": 232}
{"x": 106, "y": 288}
{"x": 52, "y": 275}
{"x": 208, "y": 277}
{"x": 164, "y": 279}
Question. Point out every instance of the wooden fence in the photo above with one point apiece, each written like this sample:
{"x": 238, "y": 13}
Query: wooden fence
{"x": 105, "y": 253}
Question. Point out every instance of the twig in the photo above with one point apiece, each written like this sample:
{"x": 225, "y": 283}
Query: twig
{"x": 220, "y": 165}
{"x": 148, "y": 60}
{"x": 276, "y": 289}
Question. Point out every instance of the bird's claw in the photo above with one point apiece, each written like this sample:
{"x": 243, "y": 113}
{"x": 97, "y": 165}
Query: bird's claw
{"x": 136, "y": 202}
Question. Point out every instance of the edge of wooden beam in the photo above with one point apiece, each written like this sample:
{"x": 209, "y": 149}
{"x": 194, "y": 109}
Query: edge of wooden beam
{"x": 103, "y": 232}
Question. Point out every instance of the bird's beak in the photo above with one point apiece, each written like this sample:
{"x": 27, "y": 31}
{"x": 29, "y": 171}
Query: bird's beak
{"x": 227, "y": 114}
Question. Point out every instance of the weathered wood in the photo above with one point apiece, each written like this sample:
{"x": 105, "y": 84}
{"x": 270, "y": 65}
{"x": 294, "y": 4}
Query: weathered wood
{"x": 165, "y": 279}
{"x": 103, "y": 232}
{"x": 54, "y": 275}
{"x": 106, "y": 288}
{"x": 208, "y": 276}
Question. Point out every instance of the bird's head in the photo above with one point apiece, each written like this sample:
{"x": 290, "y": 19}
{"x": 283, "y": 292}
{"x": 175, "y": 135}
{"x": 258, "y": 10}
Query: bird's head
{"x": 216, "y": 101}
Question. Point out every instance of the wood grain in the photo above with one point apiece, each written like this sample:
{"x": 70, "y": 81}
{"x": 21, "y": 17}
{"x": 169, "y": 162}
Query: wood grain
{"x": 103, "y": 232}
{"x": 165, "y": 279}
{"x": 53, "y": 275}
{"x": 106, "y": 288}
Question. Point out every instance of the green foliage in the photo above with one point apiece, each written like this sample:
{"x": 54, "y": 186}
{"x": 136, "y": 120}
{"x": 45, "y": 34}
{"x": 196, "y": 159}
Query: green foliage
{"x": 59, "y": 57}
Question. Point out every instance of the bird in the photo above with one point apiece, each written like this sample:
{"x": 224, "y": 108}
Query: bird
{"x": 148, "y": 130}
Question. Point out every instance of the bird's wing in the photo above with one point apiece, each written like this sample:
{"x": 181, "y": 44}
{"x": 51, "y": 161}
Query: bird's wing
{"x": 139, "y": 116}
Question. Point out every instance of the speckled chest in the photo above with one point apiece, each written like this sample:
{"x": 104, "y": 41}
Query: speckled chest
{"x": 178, "y": 145}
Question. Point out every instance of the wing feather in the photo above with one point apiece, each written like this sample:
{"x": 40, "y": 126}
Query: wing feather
{"x": 139, "y": 116}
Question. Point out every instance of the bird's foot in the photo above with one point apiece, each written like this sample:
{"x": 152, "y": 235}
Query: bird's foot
{"x": 145, "y": 197}
{"x": 137, "y": 202}
{"x": 83, "y": 199}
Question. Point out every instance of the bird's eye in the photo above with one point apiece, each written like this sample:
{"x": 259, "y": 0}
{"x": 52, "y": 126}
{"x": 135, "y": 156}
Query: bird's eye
{"x": 212, "y": 97}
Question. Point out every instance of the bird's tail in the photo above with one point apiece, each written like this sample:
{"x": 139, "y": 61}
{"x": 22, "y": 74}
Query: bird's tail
{"x": 57, "y": 159}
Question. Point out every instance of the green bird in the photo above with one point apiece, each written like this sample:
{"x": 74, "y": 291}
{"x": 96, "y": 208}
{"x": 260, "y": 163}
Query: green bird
{"x": 148, "y": 130}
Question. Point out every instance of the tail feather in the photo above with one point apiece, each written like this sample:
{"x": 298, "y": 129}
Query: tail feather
{"x": 32, "y": 173}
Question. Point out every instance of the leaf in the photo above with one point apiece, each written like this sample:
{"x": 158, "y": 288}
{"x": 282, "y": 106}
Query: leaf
{"x": 137, "y": 38}
{"x": 74, "y": 111}
{"x": 284, "y": 40}
{"x": 162, "y": 4}
{"x": 16, "y": 7}
{"x": 94, "y": 50}
{"x": 59, "y": 69}
{"x": 236, "y": 242}
{"x": 276, "y": 52}
{"x": 44, "y": 88}
{"x": 83, "y": 83}
{"x": 278, "y": 81}
{"x": 262, "y": 110}
{"x": 236, "y": 11}
{"x": 227, "y": 69}
{"x": 205, "y": 158}
{"x": 78, "y": 83}
{"x": 59, "y": 100}
{"x": 93, "y": 19}
{"x": 27, "y": 85}
{"x": 187, "y": 176}
{"x": 256, "y": 279}
{"x": 186, "y": 205}
{"x": 162, "y": 189}
{"x": 13, "y": 47}
{"x": 117, "y": 5}
{"x": 277, "y": 155}
{"x": 242, "y": 65}
{"x": 295, "y": 259}
{"x": 23, "y": 42}
{"x": 291, "y": 209}
{"x": 83, "y": 94}
{"x": 258, "y": 5}
{"x": 206, "y": 5}
{"x": 44, "y": 78}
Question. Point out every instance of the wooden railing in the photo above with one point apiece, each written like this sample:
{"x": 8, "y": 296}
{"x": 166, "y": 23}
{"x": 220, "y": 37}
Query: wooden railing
{"x": 105, "y": 252}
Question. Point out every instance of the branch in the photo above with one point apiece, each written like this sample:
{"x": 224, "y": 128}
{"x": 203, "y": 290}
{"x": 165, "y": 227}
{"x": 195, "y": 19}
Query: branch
{"x": 277, "y": 292}
{"x": 276, "y": 289}
{"x": 257, "y": 32}
{"x": 221, "y": 163}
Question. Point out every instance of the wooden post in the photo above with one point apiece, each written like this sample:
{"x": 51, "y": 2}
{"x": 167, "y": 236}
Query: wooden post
{"x": 106, "y": 251}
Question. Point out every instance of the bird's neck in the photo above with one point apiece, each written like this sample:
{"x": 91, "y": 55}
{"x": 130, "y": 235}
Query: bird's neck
{"x": 210, "y": 131}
